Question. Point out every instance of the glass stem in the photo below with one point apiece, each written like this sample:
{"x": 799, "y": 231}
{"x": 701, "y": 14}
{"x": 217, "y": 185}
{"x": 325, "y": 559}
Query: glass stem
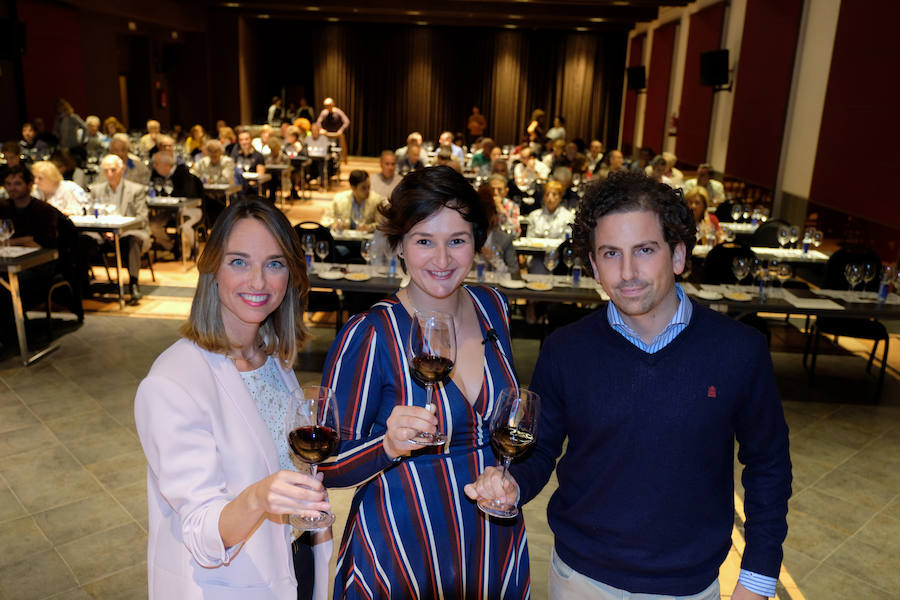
{"x": 429, "y": 387}
{"x": 504, "y": 468}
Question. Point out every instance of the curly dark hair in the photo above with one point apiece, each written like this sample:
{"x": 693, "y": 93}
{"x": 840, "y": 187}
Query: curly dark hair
{"x": 423, "y": 193}
{"x": 626, "y": 191}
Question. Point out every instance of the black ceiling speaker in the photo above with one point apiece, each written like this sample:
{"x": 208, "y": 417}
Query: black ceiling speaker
{"x": 714, "y": 68}
{"x": 637, "y": 78}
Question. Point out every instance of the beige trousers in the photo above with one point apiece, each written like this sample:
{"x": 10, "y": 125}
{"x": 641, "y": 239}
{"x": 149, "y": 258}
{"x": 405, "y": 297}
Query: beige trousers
{"x": 567, "y": 584}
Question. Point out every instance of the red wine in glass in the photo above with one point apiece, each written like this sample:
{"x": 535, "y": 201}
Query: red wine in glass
{"x": 313, "y": 426}
{"x": 431, "y": 352}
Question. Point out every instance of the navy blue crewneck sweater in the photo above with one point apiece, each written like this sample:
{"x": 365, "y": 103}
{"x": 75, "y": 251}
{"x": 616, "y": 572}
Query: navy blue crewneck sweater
{"x": 645, "y": 498}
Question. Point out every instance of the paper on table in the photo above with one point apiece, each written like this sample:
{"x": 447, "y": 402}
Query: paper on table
{"x": 813, "y": 303}
{"x": 16, "y": 251}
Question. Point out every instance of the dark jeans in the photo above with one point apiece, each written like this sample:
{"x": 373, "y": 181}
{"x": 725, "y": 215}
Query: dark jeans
{"x": 304, "y": 567}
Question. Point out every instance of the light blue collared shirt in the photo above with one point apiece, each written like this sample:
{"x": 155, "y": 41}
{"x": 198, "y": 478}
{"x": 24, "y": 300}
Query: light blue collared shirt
{"x": 756, "y": 583}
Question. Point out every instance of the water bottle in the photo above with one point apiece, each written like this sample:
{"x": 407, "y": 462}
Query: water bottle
{"x": 887, "y": 276}
{"x": 309, "y": 261}
{"x": 152, "y": 192}
{"x": 807, "y": 240}
{"x": 479, "y": 271}
{"x": 576, "y": 275}
{"x": 392, "y": 269}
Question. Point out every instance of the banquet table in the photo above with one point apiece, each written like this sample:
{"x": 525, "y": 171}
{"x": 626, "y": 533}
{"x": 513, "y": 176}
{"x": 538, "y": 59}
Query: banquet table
{"x": 14, "y": 260}
{"x": 116, "y": 225}
{"x": 791, "y": 255}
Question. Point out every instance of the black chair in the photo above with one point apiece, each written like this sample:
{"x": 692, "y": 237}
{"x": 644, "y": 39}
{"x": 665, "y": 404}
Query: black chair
{"x": 868, "y": 329}
{"x": 321, "y": 301}
{"x": 723, "y": 212}
{"x": 766, "y": 235}
{"x": 717, "y": 271}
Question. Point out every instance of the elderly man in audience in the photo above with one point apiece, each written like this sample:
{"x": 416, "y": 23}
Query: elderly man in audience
{"x": 507, "y": 210}
{"x": 334, "y": 123}
{"x": 356, "y": 208}
{"x": 383, "y": 183}
{"x": 128, "y": 199}
{"x": 529, "y": 170}
{"x": 714, "y": 189}
{"x": 594, "y": 156}
{"x": 413, "y": 139}
{"x": 446, "y": 158}
{"x": 94, "y": 145}
{"x": 657, "y": 170}
{"x": 150, "y": 139}
{"x": 167, "y": 144}
{"x": 674, "y": 177}
{"x": 171, "y": 179}
{"x": 482, "y": 156}
{"x": 614, "y": 162}
{"x": 214, "y": 167}
{"x": 446, "y": 141}
{"x": 135, "y": 169}
{"x": 413, "y": 161}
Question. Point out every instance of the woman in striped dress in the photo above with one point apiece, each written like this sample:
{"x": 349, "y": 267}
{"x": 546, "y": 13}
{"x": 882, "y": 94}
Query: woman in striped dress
{"x": 411, "y": 532}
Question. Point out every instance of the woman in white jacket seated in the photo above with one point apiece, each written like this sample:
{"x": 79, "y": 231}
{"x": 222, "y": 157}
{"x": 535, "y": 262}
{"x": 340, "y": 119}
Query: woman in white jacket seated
{"x": 67, "y": 196}
{"x": 211, "y": 417}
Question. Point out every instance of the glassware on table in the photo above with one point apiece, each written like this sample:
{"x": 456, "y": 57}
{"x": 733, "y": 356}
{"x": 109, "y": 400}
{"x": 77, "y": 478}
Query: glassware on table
{"x": 853, "y": 272}
{"x": 869, "y": 271}
{"x": 313, "y": 432}
{"x": 551, "y": 260}
{"x": 168, "y": 187}
{"x": 728, "y": 234}
{"x": 158, "y": 186}
{"x": 339, "y": 224}
{"x": 794, "y": 235}
{"x": 817, "y": 238}
{"x": 740, "y": 266}
{"x": 783, "y": 236}
{"x": 568, "y": 257}
{"x": 747, "y": 211}
{"x": 513, "y": 431}
{"x": 431, "y": 353}
{"x": 736, "y": 211}
{"x": 309, "y": 246}
{"x": 7, "y": 229}
{"x": 367, "y": 250}
{"x": 783, "y": 272}
{"x": 322, "y": 249}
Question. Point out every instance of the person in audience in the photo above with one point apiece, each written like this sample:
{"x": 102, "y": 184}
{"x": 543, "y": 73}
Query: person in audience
{"x": 657, "y": 170}
{"x": 436, "y": 223}
{"x": 248, "y": 160}
{"x": 708, "y": 229}
{"x": 68, "y": 126}
{"x": 482, "y": 156}
{"x": 318, "y": 145}
{"x": 68, "y": 168}
{"x": 66, "y": 196}
{"x": 528, "y": 171}
{"x": 595, "y": 156}
{"x": 673, "y": 176}
{"x": 275, "y": 114}
{"x": 495, "y": 155}
{"x": 557, "y": 157}
{"x": 305, "y": 111}
{"x": 558, "y": 131}
{"x": 111, "y": 126}
{"x": 413, "y": 160}
{"x": 507, "y": 210}
{"x": 334, "y": 123}
{"x": 170, "y": 179}
{"x": 413, "y": 139}
{"x": 535, "y": 130}
{"x": 645, "y": 156}
{"x": 305, "y": 129}
{"x": 476, "y": 124}
{"x": 500, "y": 167}
{"x": 10, "y": 151}
{"x": 569, "y": 196}
{"x": 658, "y": 419}
{"x": 715, "y": 191}
{"x": 214, "y": 167}
{"x": 384, "y": 182}
{"x": 177, "y": 133}
{"x": 135, "y": 169}
{"x": 356, "y": 208}
{"x": 94, "y": 146}
{"x": 446, "y": 141}
{"x": 614, "y": 162}
{"x": 167, "y": 144}
{"x": 228, "y": 139}
{"x": 196, "y": 142}
{"x": 150, "y": 139}
{"x": 261, "y": 143}
{"x": 127, "y": 199}
{"x": 498, "y": 250}
{"x": 297, "y": 154}
{"x": 30, "y": 145}
{"x": 575, "y": 160}
{"x": 552, "y": 220}
{"x": 211, "y": 415}
{"x": 446, "y": 158}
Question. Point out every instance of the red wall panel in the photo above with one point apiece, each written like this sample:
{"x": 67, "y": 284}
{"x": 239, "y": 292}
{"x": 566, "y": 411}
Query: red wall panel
{"x": 658, "y": 86}
{"x": 762, "y": 89}
{"x": 635, "y": 58}
{"x": 696, "y": 100}
{"x": 860, "y": 116}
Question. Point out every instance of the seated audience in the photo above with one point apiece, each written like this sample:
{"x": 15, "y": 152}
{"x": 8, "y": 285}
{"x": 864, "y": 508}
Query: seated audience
{"x": 228, "y": 139}
{"x": 507, "y": 210}
{"x": 150, "y": 139}
{"x": 413, "y": 160}
{"x": 111, "y": 126}
{"x": 66, "y": 196}
{"x": 30, "y": 145}
{"x": 714, "y": 189}
{"x": 261, "y": 143}
{"x": 94, "y": 145}
{"x": 413, "y": 139}
{"x": 356, "y": 208}
{"x": 214, "y": 167}
{"x": 135, "y": 169}
{"x": 498, "y": 249}
{"x": 446, "y": 141}
{"x": 614, "y": 162}
{"x": 196, "y": 141}
{"x": 673, "y": 176}
{"x": 645, "y": 155}
{"x": 557, "y": 156}
{"x": 558, "y": 131}
{"x": 169, "y": 179}
{"x": 67, "y": 167}
{"x": 595, "y": 156}
{"x": 445, "y": 157}
{"x": 247, "y": 159}
{"x": 552, "y": 220}
{"x": 528, "y": 171}
{"x": 708, "y": 230}
{"x": 128, "y": 199}
{"x": 384, "y": 182}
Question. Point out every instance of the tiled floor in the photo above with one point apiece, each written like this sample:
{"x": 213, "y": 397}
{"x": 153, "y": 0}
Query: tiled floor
{"x": 73, "y": 520}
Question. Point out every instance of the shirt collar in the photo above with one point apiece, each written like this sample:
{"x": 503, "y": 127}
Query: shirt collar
{"x": 679, "y": 321}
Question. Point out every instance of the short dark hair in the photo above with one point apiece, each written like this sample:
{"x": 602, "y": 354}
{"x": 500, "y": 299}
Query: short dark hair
{"x": 423, "y": 193}
{"x": 561, "y": 119}
{"x": 626, "y": 191}
{"x": 357, "y": 176}
{"x": 20, "y": 170}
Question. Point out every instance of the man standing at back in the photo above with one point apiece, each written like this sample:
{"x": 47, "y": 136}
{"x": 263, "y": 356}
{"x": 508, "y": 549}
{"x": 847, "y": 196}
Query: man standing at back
{"x": 651, "y": 393}
{"x": 334, "y": 123}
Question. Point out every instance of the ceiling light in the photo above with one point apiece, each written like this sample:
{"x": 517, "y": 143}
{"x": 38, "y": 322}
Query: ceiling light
{"x": 515, "y": 16}
{"x": 333, "y": 19}
{"x": 312, "y": 8}
{"x": 581, "y": 29}
{"x": 263, "y": 16}
{"x": 421, "y": 22}
{"x": 414, "y": 13}
{"x": 597, "y": 20}
{"x": 231, "y": 4}
{"x": 510, "y": 26}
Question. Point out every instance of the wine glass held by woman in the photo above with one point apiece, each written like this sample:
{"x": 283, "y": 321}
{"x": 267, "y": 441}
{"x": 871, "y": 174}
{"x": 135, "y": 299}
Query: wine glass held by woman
{"x": 210, "y": 416}
{"x": 410, "y": 495}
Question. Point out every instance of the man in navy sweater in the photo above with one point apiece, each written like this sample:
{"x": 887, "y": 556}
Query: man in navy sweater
{"x": 651, "y": 393}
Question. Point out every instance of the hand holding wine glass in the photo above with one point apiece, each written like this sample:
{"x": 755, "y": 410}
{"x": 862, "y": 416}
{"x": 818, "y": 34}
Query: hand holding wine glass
{"x": 513, "y": 430}
{"x": 313, "y": 428}
{"x": 431, "y": 352}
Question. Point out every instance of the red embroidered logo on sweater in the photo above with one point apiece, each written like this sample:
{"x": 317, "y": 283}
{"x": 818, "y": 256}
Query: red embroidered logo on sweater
{"x": 711, "y": 392}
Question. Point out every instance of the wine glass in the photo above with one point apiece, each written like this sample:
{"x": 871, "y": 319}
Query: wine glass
{"x": 313, "y": 431}
{"x": 513, "y": 430}
{"x": 728, "y": 234}
{"x": 794, "y": 235}
{"x": 322, "y": 249}
{"x": 853, "y": 273}
{"x": 551, "y": 260}
{"x": 869, "y": 270}
{"x": 747, "y": 210}
{"x": 7, "y": 229}
{"x": 367, "y": 250}
{"x": 736, "y": 211}
{"x": 784, "y": 272}
{"x": 740, "y": 266}
{"x": 817, "y": 238}
{"x": 158, "y": 186}
{"x": 168, "y": 187}
{"x": 783, "y": 236}
{"x": 568, "y": 257}
{"x": 431, "y": 352}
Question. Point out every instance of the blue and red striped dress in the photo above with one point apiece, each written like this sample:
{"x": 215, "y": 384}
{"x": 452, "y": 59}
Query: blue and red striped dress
{"x": 412, "y": 532}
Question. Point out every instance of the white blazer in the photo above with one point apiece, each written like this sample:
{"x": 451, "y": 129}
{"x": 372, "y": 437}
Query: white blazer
{"x": 205, "y": 442}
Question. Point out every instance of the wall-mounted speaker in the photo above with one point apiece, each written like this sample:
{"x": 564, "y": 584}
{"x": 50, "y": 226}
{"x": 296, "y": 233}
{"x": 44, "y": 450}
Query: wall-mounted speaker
{"x": 714, "y": 68}
{"x": 636, "y": 78}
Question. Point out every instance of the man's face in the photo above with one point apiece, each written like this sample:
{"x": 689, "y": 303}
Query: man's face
{"x": 93, "y": 128}
{"x": 329, "y": 104}
{"x": 113, "y": 173}
{"x": 496, "y": 153}
{"x": 28, "y": 133}
{"x": 153, "y": 128}
{"x": 596, "y": 148}
{"x": 388, "y": 166}
{"x": 571, "y": 151}
{"x": 413, "y": 153}
{"x": 703, "y": 177}
{"x": 446, "y": 139}
{"x": 616, "y": 160}
{"x": 16, "y": 188}
{"x": 214, "y": 153}
{"x": 633, "y": 263}
{"x": 244, "y": 140}
{"x": 552, "y": 199}
{"x": 361, "y": 192}
{"x": 167, "y": 144}
{"x": 499, "y": 189}
{"x": 162, "y": 167}
{"x": 315, "y": 130}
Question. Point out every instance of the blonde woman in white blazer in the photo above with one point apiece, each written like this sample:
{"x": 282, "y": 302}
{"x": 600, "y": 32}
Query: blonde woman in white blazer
{"x": 219, "y": 484}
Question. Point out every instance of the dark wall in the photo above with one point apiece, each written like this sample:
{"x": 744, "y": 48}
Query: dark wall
{"x": 636, "y": 58}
